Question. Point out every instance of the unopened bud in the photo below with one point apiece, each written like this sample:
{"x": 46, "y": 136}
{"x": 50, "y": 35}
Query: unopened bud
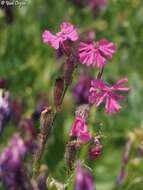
{"x": 58, "y": 91}
{"x": 95, "y": 151}
{"x": 70, "y": 153}
{"x": 66, "y": 47}
{"x": 68, "y": 70}
{"x": 46, "y": 120}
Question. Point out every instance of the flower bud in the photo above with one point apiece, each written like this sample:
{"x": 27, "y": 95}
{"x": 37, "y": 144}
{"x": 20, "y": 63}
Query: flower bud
{"x": 95, "y": 151}
{"x": 68, "y": 70}
{"x": 46, "y": 120}
{"x": 70, "y": 153}
{"x": 58, "y": 91}
{"x": 65, "y": 47}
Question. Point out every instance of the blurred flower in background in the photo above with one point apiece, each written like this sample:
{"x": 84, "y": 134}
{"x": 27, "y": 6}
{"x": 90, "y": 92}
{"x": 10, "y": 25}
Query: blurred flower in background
{"x": 84, "y": 178}
{"x": 81, "y": 89}
{"x": 8, "y": 10}
{"x": 97, "y": 4}
{"x": 5, "y": 106}
{"x": 94, "y": 5}
{"x": 28, "y": 133}
{"x": 11, "y": 162}
{"x": 12, "y": 170}
{"x": 30, "y": 67}
{"x": 17, "y": 110}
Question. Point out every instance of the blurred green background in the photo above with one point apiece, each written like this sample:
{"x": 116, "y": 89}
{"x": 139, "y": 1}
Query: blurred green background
{"x": 31, "y": 67}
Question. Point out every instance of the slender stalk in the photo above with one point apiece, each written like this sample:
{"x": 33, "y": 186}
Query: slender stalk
{"x": 99, "y": 76}
{"x": 47, "y": 119}
{"x": 46, "y": 124}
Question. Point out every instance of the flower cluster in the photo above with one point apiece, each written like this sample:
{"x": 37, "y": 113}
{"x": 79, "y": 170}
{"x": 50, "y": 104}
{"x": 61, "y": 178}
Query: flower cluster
{"x": 11, "y": 160}
{"x": 88, "y": 91}
{"x": 81, "y": 132}
{"x": 93, "y": 54}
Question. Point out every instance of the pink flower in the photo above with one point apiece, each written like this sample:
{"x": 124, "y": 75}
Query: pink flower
{"x": 96, "y": 53}
{"x": 101, "y": 92}
{"x": 80, "y": 130}
{"x": 68, "y": 32}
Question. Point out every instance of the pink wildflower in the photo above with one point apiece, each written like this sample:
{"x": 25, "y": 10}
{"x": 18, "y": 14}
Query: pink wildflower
{"x": 68, "y": 32}
{"x": 100, "y": 92}
{"x": 79, "y": 130}
{"x": 96, "y": 53}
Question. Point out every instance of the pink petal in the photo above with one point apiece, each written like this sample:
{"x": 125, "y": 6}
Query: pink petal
{"x": 98, "y": 83}
{"x": 85, "y": 137}
{"x": 90, "y": 55}
{"x": 107, "y": 48}
{"x": 99, "y": 60}
{"x": 100, "y": 99}
{"x": 69, "y": 30}
{"x": 112, "y": 106}
{"x": 87, "y": 54}
{"x": 78, "y": 126}
{"x": 120, "y": 85}
{"x": 50, "y": 39}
